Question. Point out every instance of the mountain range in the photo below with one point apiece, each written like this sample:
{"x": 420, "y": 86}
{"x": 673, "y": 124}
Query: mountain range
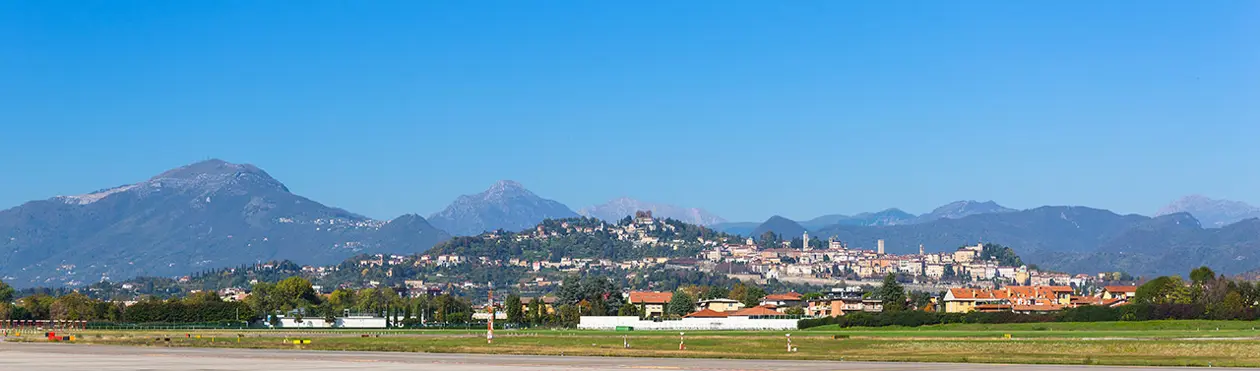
{"x": 209, "y": 214}
{"x": 215, "y": 214}
{"x": 893, "y": 216}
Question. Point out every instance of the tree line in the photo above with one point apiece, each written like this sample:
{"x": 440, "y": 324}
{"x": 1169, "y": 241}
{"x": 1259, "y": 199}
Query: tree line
{"x": 1205, "y": 296}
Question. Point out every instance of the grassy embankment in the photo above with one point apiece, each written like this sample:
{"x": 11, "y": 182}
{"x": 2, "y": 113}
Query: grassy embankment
{"x": 1167, "y": 343}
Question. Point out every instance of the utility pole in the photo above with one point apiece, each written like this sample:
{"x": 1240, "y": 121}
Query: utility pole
{"x": 490, "y": 323}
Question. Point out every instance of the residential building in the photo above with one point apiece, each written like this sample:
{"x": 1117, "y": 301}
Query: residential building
{"x": 1119, "y": 292}
{"x": 548, "y": 304}
{"x": 652, "y": 304}
{"x": 782, "y": 301}
{"x": 721, "y": 305}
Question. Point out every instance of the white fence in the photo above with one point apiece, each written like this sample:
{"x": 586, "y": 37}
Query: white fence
{"x": 729, "y": 323}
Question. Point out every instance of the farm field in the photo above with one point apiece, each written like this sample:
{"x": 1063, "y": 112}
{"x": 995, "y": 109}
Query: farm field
{"x": 1154, "y": 343}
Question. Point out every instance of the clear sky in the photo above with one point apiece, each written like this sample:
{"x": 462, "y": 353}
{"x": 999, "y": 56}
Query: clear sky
{"x": 748, "y": 109}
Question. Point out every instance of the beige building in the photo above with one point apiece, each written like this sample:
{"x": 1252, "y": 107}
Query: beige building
{"x": 720, "y": 305}
{"x": 651, "y": 303}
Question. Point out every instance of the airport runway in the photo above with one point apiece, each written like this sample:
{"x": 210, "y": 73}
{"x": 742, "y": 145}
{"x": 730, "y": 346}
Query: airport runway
{"x": 70, "y": 357}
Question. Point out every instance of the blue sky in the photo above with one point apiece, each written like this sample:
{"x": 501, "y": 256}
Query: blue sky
{"x": 745, "y": 108}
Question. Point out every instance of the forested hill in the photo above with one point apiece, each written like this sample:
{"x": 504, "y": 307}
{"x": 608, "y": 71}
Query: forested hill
{"x": 589, "y": 238}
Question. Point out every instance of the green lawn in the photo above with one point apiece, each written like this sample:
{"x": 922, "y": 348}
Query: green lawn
{"x": 1165, "y": 343}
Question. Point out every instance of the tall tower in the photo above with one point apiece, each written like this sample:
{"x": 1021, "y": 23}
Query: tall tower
{"x": 920, "y": 249}
{"x": 880, "y": 243}
{"x": 805, "y": 241}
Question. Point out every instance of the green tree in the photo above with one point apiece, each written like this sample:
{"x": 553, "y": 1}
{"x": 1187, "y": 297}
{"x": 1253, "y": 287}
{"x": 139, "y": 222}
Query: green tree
{"x": 6, "y": 293}
{"x": 1164, "y": 290}
{"x": 569, "y": 315}
{"x": 36, "y": 306}
{"x": 752, "y": 296}
{"x": 1229, "y": 308}
{"x": 1005, "y": 256}
{"x": 1202, "y": 275}
{"x": 296, "y": 291}
{"x": 769, "y": 239}
{"x": 738, "y": 291}
{"x": 72, "y": 307}
{"x": 340, "y": 300}
{"x": 537, "y": 312}
{"x": 681, "y": 304}
{"x": 514, "y": 312}
{"x": 893, "y": 294}
{"x": 715, "y": 292}
{"x": 628, "y": 310}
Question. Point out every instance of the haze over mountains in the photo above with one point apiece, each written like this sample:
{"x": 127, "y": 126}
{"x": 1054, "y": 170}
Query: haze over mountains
{"x": 1212, "y": 213}
{"x": 215, "y": 214}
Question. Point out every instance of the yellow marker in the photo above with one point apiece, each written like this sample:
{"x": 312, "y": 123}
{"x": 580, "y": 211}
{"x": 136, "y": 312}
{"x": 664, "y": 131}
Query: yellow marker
{"x": 1008, "y": 336}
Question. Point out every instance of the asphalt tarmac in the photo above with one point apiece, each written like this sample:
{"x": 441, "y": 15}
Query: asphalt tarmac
{"x": 71, "y": 357}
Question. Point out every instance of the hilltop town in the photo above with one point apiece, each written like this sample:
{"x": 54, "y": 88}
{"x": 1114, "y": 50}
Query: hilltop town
{"x": 641, "y": 253}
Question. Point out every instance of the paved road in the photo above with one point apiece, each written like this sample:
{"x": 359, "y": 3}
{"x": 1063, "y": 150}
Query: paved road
{"x": 69, "y": 357}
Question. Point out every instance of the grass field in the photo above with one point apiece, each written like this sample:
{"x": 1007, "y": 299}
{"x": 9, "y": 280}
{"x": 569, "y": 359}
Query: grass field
{"x": 1165, "y": 343}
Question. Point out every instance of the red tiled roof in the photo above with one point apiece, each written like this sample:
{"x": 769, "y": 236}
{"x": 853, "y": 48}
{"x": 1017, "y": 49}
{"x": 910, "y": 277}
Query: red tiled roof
{"x": 649, "y": 297}
{"x": 969, "y": 293}
{"x": 791, "y": 296}
{"x": 984, "y": 307}
{"x": 1037, "y": 308}
{"x": 1021, "y": 293}
{"x": 1115, "y": 289}
{"x": 756, "y": 311}
{"x": 706, "y": 313}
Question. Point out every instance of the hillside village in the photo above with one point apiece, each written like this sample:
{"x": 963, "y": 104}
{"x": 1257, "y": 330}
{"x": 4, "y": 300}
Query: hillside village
{"x": 981, "y": 277}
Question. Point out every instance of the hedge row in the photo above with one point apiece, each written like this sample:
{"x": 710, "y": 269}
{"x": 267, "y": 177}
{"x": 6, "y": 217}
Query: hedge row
{"x": 1132, "y": 312}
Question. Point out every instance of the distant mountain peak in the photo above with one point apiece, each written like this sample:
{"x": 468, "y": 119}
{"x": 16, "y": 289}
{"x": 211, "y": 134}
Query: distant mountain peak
{"x": 1211, "y": 212}
{"x": 203, "y": 215}
{"x": 784, "y": 227}
{"x": 506, "y": 185}
{"x": 505, "y": 205}
{"x": 621, "y": 207}
{"x": 201, "y": 177}
{"x": 962, "y": 209}
{"x": 210, "y": 167}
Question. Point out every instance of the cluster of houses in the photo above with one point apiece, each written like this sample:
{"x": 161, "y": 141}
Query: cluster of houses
{"x": 1031, "y": 299}
{"x": 842, "y": 301}
{"x": 836, "y": 259}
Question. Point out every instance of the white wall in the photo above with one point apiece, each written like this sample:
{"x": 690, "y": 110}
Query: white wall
{"x": 729, "y": 323}
{"x": 343, "y": 322}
